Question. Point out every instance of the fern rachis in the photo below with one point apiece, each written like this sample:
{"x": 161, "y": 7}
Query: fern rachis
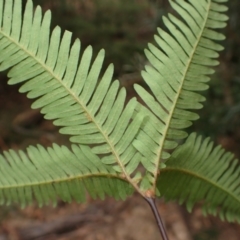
{"x": 113, "y": 139}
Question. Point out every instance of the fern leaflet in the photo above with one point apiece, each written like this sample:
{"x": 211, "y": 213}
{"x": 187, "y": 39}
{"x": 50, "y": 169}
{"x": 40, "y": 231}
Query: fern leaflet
{"x": 67, "y": 88}
{"x": 210, "y": 175}
{"x": 56, "y": 172}
{"x": 180, "y": 65}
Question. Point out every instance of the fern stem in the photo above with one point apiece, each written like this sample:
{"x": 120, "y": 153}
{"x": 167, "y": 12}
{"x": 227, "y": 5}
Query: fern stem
{"x": 152, "y": 203}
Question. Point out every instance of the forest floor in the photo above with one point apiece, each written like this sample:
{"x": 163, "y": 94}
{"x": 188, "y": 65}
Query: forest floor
{"x": 110, "y": 220}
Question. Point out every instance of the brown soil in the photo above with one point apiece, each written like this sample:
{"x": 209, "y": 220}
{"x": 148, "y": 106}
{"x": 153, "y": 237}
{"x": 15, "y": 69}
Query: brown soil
{"x": 111, "y": 220}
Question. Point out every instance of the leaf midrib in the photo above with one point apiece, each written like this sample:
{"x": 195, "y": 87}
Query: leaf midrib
{"x": 64, "y": 179}
{"x": 51, "y": 72}
{"x": 194, "y": 174}
{"x": 164, "y": 135}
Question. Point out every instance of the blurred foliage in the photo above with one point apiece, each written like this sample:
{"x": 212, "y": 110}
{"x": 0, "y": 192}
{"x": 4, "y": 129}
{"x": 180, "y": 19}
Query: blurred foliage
{"x": 207, "y": 235}
{"x": 122, "y": 27}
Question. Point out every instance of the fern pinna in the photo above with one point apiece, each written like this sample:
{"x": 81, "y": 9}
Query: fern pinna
{"x": 118, "y": 147}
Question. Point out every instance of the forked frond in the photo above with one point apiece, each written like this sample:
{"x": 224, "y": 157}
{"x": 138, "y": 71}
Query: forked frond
{"x": 179, "y": 67}
{"x": 49, "y": 174}
{"x": 209, "y": 175}
{"x": 67, "y": 87}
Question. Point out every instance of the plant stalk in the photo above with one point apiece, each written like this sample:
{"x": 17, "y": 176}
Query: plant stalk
{"x": 152, "y": 203}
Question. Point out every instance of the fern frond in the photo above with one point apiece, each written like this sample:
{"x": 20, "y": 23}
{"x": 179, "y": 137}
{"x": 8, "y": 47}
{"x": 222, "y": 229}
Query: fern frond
{"x": 67, "y": 87}
{"x": 180, "y": 65}
{"x": 56, "y": 172}
{"x": 209, "y": 175}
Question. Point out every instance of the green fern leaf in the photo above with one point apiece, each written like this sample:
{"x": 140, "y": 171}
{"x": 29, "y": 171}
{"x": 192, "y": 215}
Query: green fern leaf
{"x": 52, "y": 173}
{"x": 67, "y": 87}
{"x": 180, "y": 65}
{"x": 210, "y": 176}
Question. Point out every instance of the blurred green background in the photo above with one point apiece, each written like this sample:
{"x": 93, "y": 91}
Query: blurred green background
{"x": 122, "y": 27}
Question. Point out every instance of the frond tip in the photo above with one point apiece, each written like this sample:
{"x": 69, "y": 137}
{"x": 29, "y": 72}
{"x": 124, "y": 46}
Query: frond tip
{"x": 209, "y": 175}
